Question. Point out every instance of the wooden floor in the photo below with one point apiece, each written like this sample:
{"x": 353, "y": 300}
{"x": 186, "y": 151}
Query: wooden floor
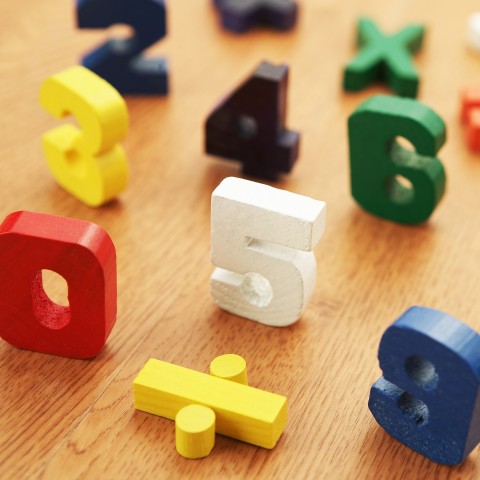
{"x": 72, "y": 419}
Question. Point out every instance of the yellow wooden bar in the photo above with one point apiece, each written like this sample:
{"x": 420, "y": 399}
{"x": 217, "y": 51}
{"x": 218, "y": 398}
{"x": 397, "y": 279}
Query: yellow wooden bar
{"x": 242, "y": 412}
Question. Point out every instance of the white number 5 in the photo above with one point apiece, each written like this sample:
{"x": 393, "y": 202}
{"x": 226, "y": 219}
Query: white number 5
{"x": 262, "y": 242}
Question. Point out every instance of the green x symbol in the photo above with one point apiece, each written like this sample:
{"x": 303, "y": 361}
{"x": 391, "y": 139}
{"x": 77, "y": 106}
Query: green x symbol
{"x": 385, "y": 58}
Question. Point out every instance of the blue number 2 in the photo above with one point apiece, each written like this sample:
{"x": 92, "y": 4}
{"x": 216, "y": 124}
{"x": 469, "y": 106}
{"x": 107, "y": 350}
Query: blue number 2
{"x": 429, "y": 395}
{"x": 119, "y": 61}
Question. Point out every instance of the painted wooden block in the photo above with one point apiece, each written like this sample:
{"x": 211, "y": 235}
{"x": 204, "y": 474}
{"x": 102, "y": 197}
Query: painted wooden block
{"x": 471, "y": 117}
{"x": 230, "y": 367}
{"x": 385, "y": 58}
{"x": 262, "y": 242}
{"x": 120, "y": 61}
{"x": 241, "y": 15}
{"x": 249, "y": 126}
{"x": 84, "y": 255}
{"x": 387, "y": 179}
{"x": 473, "y": 32}
{"x": 242, "y": 412}
{"x": 429, "y": 395}
{"x": 87, "y": 162}
{"x": 195, "y": 431}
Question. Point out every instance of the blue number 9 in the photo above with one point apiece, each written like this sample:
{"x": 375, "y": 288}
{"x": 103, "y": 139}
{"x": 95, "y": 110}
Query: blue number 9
{"x": 429, "y": 396}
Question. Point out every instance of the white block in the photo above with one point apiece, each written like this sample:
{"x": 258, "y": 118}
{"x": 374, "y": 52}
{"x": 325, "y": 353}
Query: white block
{"x": 262, "y": 242}
{"x": 473, "y": 32}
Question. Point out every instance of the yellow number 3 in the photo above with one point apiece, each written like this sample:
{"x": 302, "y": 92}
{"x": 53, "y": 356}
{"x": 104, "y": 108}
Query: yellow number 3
{"x": 86, "y": 162}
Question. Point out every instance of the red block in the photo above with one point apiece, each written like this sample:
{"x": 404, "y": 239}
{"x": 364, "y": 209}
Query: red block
{"x": 471, "y": 116}
{"x": 473, "y": 130}
{"x": 470, "y": 100}
{"x": 84, "y": 255}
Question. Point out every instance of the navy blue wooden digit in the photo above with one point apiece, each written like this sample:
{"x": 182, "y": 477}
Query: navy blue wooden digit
{"x": 429, "y": 395}
{"x": 249, "y": 125}
{"x": 120, "y": 61}
{"x": 241, "y": 15}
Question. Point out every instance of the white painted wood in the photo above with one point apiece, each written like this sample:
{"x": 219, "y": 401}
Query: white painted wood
{"x": 262, "y": 242}
{"x": 473, "y": 32}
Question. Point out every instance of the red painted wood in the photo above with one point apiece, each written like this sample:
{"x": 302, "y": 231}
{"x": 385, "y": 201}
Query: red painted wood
{"x": 470, "y": 100}
{"x": 473, "y": 130}
{"x": 84, "y": 255}
{"x": 471, "y": 116}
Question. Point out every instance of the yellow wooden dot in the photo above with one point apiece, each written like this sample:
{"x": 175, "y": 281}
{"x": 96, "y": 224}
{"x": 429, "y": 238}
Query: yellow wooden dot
{"x": 195, "y": 431}
{"x": 230, "y": 367}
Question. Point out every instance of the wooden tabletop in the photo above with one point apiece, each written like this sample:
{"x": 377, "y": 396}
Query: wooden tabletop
{"x": 62, "y": 418}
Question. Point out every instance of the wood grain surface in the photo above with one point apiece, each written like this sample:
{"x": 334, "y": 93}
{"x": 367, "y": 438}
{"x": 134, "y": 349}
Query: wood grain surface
{"x": 72, "y": 419}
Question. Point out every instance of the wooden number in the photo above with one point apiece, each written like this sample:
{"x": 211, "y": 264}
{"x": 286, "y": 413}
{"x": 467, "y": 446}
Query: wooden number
{"x": 470, "y": 114}
{"x": 120, "y": 61}
{"x": 87, "y": 163}
{"x": 387, "y": 179}
{"x": 242, "y": 412}
{"x": 473, "y": 32}
{"x": 240, "y": 15}
{"x": 262, "y": 242}
{"x": 249, "y": 125}
{"x": 429, "y": 395}
{"x": 84, "y": 255}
